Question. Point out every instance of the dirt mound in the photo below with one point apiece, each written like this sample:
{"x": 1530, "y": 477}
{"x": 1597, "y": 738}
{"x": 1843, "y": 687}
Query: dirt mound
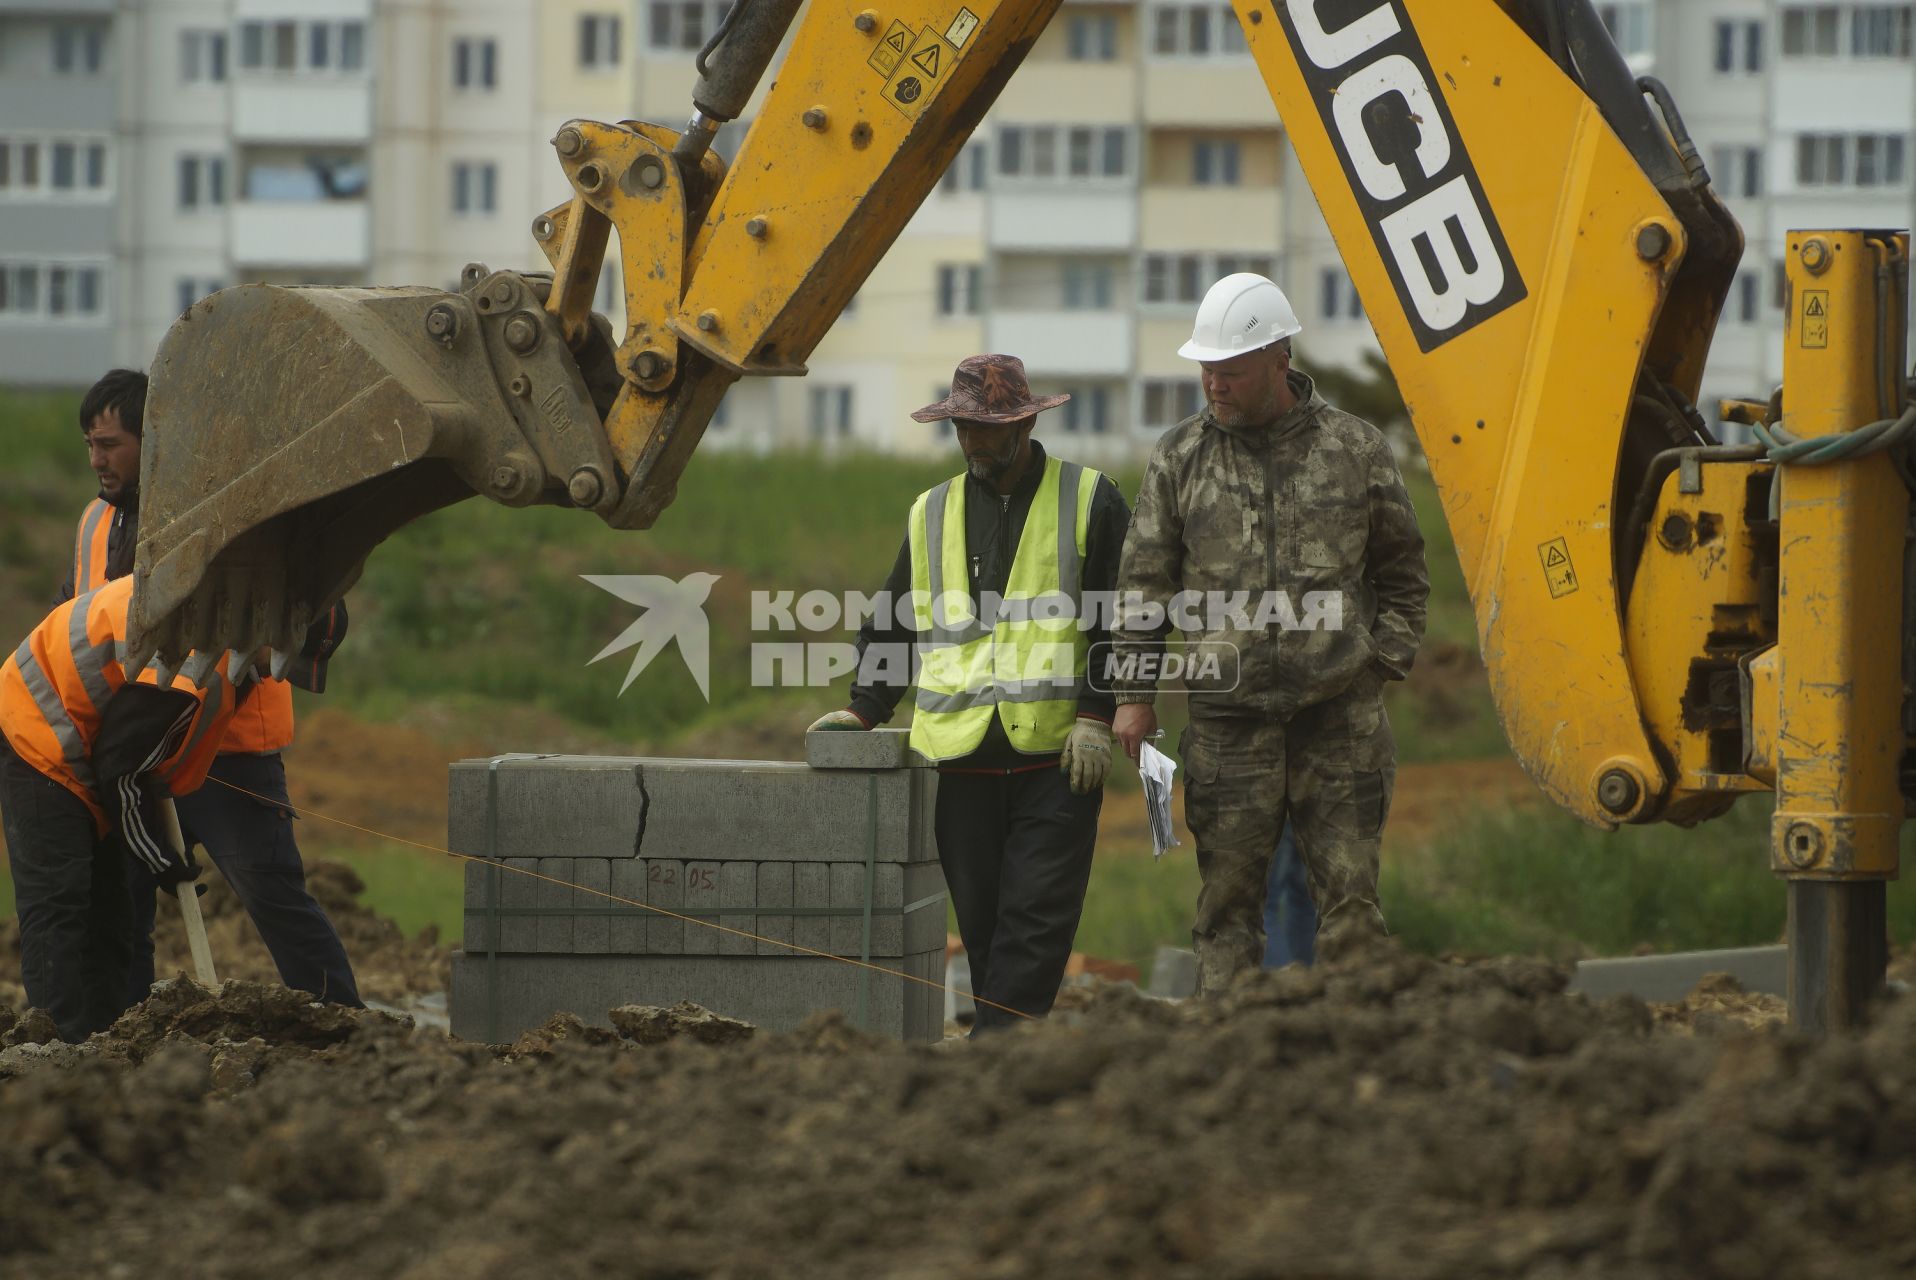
{"x": 1390, "y": 1115}
{"x": 388, "y": 965}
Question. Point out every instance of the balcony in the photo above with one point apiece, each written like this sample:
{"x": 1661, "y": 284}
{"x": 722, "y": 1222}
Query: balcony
{"x": 330, "y": 234}
{"x": 1198, "y": 94}
{"x": 1065, "y": 344}
{"x": 1063, "y": 218}
{"x": 290, "y": 108}
{"x": 1225, "y": 218}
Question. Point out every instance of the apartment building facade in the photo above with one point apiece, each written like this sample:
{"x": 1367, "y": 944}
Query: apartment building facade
{"x": 153, "y": 151}
{"x": 60, "y": 180}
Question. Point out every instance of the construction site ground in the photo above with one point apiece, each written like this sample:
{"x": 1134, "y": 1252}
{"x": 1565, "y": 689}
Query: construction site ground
{"x": 1391, "y": 1115}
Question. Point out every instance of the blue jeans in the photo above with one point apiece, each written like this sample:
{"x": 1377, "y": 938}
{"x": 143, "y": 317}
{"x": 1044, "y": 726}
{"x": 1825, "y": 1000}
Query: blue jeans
{"x": 1290, "y": 917}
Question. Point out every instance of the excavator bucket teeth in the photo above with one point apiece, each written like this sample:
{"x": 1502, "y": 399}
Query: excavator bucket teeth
{"x": 289, "y": 432}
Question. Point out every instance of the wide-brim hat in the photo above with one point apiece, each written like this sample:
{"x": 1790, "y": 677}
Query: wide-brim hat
{"x": 989, "y": 388}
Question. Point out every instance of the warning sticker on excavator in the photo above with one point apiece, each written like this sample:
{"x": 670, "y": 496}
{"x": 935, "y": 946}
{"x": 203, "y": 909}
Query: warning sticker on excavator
{"x": 961, "y": 28}
{"x": 928, "y": 61}
{"x": 1815, "y": 325}
{"x": 891, "y": 50}
{"x": 1557, "y": 569}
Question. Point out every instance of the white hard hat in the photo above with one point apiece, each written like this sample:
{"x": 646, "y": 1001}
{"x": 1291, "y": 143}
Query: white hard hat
{"x": 1241, "y": 313}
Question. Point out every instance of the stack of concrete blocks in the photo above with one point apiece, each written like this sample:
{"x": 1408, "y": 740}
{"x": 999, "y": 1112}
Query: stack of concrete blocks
{"x": 835, "y": 855}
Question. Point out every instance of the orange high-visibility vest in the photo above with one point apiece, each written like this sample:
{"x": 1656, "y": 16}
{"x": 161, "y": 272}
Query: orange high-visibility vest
{"x": 264, "y": 721}
{"x": 89, "y": 545}
{"x": 55, "y": 685}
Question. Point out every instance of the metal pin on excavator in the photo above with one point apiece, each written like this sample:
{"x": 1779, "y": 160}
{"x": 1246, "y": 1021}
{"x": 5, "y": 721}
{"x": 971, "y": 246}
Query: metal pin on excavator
{"x": 1668, "y": 622}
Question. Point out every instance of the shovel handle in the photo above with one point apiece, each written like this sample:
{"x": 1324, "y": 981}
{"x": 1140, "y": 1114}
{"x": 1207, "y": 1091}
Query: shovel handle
{"x": 188, "y": 894}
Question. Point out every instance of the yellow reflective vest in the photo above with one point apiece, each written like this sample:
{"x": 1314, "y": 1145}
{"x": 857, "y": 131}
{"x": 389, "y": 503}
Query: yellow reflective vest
{"x": 1026, "y": 666}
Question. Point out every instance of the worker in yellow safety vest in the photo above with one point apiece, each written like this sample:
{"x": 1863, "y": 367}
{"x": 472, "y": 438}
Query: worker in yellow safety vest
{"x": 991, "y": 609}
{"x": 245, "y": 819}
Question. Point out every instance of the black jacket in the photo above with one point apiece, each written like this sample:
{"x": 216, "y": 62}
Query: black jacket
{"x": 993, "y": 525}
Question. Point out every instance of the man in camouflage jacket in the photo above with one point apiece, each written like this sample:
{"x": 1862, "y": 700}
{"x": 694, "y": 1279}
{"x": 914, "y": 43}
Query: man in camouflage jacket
{"x": 1298, "y": 510}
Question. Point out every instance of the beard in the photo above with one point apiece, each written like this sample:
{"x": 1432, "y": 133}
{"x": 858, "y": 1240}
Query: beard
{"x": 990, "y": 467}
{"x": 1239, "y": 416}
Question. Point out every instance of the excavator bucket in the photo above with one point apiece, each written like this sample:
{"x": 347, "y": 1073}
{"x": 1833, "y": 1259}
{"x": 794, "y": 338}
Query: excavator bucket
{"x": 291, "y": 431}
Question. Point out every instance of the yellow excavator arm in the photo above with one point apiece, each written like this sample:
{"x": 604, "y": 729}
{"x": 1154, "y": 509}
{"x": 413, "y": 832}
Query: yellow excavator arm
{"x": 1531, "y": 232}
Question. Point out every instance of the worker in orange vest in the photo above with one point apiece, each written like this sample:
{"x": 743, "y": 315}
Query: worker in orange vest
{"x": 87, "y": 756}
{"x": 245, "y": 826}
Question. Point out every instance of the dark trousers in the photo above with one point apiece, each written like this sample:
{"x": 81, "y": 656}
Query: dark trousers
{"x": 1016, "y": 850}
{"x": 69, "y": 887}
{"x": 251, "y": 842}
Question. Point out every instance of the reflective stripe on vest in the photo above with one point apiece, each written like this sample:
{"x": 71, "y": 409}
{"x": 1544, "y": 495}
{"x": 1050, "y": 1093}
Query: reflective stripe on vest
{"x": 55, "y": 686}
{"x": 1026, "y": 665}
{"x": 90, "y": 545}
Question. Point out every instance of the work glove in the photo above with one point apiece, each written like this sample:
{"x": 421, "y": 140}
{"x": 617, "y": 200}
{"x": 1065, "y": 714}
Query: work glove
{"x": 839, "y": 722}
{"x": 1086, "y": 758}
{"x": 182, "y": 870}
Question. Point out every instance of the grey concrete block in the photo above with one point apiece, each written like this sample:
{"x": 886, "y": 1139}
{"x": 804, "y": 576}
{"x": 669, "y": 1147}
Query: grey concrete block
{"x": 888, "y": 927}
{"x": 701, "y": 896}
{"x": 925, "y": 926}
{"x": 848, "y": 894}
{"x": 773, "y": 993}
{"x": 700, "y": 810}
{"x": 481, "y": 878}
{"x": 1174, "y": 973}
{"x": 519, "y": 933}
{"x": 812, "y": 888}
{"x": 555, "y": 891}
{"x": 1668, "y": 978}
{"x": 665, "y": 887}
{"x": 592, "y": 932}
{"x": 738, "y": 887}
{"x": 628, "y": 936}
{"x": 774, "y": 891}
{"x": 876, "y": 749}
{"x": 545, "y": 806}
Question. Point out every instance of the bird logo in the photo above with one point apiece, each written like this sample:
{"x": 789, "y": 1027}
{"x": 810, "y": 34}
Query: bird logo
{"x": 673, "y": 611}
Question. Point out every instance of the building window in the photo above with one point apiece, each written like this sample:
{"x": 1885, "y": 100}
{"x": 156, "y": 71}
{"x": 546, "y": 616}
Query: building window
{"x": 475, "y": 64}
{"x": 966, "y": 172}
{"x": 202, "y": 57}
{"x": 1088, "y": 410}
{"x": 1087, "y": 285}
{"x": 1739, "y": 47}
{"x": 1195, "y": 31}
{"x": 1749, "y": 289}
{"x": 1879, "y": 31}
{"x": 1169, "y": 401}
{"x": 1737, "y": 171}
{"x": 192, "y": 288}
{"x": 475, "y": 187}
{"x": 1861, "y": 160}
{"x": 78, "y": 50}
{"x": 1092, "y": 37}
{"x": 683, "y": 24}
{"x": 1215, "y": 162}
{"x": 58, "y": 291}
{"x": 1052, "y": 151}
{"x": 598, "y": 41}
{"x": 276, "y": 46}
{"x": 829, "y": 411}
{"x": 1629, "y": 26}
{"x": 56, "y": 166}
{"x": 1183, "y": 277}
{"x": 961, "y": 289}
{"x": 1811, "y": 31}
{"x": 202, "y": 181}
{"x": 1337, "y": 300}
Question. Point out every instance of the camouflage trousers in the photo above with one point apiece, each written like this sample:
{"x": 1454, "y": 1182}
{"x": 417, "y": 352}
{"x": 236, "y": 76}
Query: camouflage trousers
{"x": 1330, "y": 770}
